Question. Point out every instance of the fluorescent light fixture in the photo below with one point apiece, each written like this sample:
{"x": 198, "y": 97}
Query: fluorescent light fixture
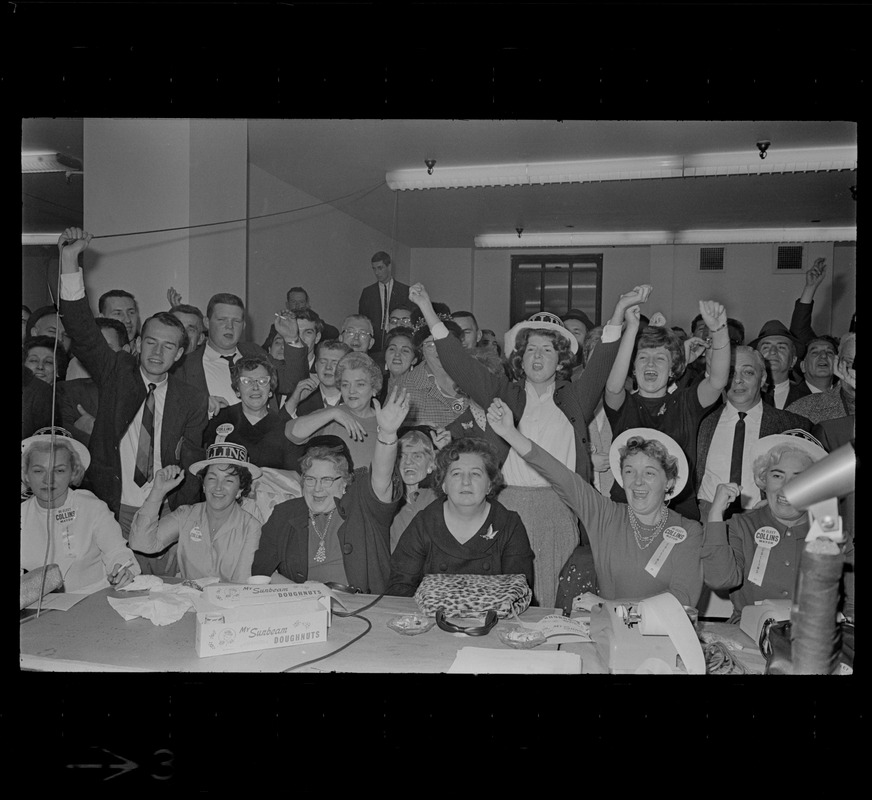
{"x": 49, "y": 162}
{"x": 617, "y": 238}
{"x": 610, "y": 169}
{"x": 40, "y": 238}
{"x": 812, "y": 159}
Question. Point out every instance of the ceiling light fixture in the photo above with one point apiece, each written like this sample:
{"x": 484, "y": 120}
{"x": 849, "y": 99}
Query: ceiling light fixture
{"x": 617, "y": 238}
{"x": 811, "y": 159}
{"x": 49, "y": 162}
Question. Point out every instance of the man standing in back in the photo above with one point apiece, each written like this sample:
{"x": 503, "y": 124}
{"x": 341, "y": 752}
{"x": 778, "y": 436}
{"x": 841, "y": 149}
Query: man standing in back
{"x": 377, "y": 299}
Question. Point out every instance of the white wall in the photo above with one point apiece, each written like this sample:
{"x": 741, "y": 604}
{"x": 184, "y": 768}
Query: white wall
{"x": 323, "y": 250}
{"x": 447, "y": 274}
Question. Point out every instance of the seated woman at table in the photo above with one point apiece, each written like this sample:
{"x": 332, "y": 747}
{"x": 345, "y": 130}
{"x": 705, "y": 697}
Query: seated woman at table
{"x": 354, "y": 420}
{"x": 254, "y": 422}
{"x": 732, "y": 550}
{"x": 652, "y": 467}
{"x": 415, "y": 464}
{"x": 217, "y": 537}
{"x": 339, "y": 530}
{"x": 469, "y": 532}
{"x": 86, "y": 541}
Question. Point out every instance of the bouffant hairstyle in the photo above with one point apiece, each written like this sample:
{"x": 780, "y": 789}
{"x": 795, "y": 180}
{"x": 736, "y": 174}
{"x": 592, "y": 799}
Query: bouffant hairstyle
{"x": 402, "y": 332}
{"x": 653, "y": 449}
{"x": 61, "y": 359}
{"x": 762, "y": 464}
{"x": 61, "y": 443}
{"x": 355, "y": 360}
{"x": 249, "y": 364}
{"x": 472, "y": 446}
{"x": 244, "y": 475}
{"x": 663, "y": 337}
{"x": 565, "y": 356}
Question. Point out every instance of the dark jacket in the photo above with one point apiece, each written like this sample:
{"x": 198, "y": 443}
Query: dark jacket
{"x": 82, "y": 392}
{"x": 370, "y": 306}
{"x": 265, "y": 441}
{"x": 35, "y": 403}
{"x": 577, "y": 400}
{"x": 364, "y": 537}
{"x": 121, "y": 394}
{"x": 774, "y": 420}
{"x": 427, "y": 547}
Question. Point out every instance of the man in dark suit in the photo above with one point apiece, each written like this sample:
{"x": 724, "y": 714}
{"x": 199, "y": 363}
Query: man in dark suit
{"x": 147, "y": 418}
{"x": 319, "y": 390}
{"x": 737, "y": 424}
{"x": 378, "y": 299}
{"x": 208, "y": 367}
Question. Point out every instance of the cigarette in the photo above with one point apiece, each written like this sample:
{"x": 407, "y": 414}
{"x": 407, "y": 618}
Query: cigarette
{"x": 125, "y": 565}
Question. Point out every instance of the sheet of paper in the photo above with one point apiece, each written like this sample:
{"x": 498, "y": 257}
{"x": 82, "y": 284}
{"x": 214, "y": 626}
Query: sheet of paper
{"x": 59, "y": 601}
{"x": 485, "y": 661}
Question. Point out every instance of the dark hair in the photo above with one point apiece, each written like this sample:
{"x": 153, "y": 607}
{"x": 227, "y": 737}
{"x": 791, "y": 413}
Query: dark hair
{"x": 423, "y": 333}
{"x": 167, "y": 318}
{"x": 565, "y": 356}
{"x": 736, "y": 330}
{"x": 299, "y": 290}
{"x": 823, "y": 337}
{"x": 404, "y": 307}
{"x": 679, "y": 332}
{"x": 101, "y": 303}
{"x": 244, "y": 475}
{"x": 310, "y": 316}
{"x": 662, "y": 337}
{"x": 224, "y": 299}
{"x": 249, "y": 364}
{"x": 653, "y": 449}
{"x": 382, "y": 256}
{"x": 331, "y": 344}
{"x": 62, "y": 360}
{"x": 456, "y": 314}
{"x": 402, "y": 332}
{"x": 116, "y": 325}
{"x": 36, "y": 316}
{"x": 184, "y": 308}
{"x": 471, "y": 445}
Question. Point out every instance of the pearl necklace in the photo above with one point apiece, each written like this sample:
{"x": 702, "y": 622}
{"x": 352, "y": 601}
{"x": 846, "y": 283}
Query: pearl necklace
{"x": 645, "y": 541}
{"x": 321, "y": 552}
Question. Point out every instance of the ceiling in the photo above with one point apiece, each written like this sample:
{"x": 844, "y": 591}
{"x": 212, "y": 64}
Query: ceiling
{"x": 331, "y": 159}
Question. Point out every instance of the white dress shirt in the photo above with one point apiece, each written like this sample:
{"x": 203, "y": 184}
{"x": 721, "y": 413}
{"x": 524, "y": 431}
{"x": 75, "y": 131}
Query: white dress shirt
{"x": 717, "y": 464}
{"x": 385, "y": 302}
{"x": 218, "y": 373}
{"x": 779, "y": 395}
{"x": 131, "y": 494}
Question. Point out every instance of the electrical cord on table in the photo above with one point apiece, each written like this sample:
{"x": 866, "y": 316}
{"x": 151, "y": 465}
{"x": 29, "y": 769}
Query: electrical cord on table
{"x": 720, "y": 661}
{"x": 347, "y": 644}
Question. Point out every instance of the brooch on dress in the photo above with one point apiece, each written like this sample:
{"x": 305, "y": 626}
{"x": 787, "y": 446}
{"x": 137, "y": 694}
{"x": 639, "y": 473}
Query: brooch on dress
{"x": 490, "y": 533}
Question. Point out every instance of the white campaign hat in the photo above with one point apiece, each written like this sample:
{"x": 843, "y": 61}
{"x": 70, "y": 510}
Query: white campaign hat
{"x": 667, "y": 441}
{"x": 542, "y": 320}
{"x": 45, "y": 435}
{"x": 226, "y": 453}
{"x": 794, "y": 437}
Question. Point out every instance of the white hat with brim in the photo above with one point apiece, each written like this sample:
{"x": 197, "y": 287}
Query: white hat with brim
{"x": 539, "y": 324}
{"x": 226, "y": 453}
{"x": 795, "y": 438}
{"x": 44, "y": 436}
{"x": 667, "y": 441}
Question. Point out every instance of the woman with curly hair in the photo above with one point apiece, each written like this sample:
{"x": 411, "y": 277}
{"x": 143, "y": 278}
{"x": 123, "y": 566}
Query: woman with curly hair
{"x": 359, "y": 380}
{"x": 469, "y": 532}
{"x": 551, "y": 410}
{"x": 657, "y": 360}
{"x": 215, "y": 538}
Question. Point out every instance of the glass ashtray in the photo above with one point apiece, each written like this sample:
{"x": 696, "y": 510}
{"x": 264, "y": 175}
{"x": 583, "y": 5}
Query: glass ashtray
{"x": 520, "y": 637}
{"x": 411, "y": 624}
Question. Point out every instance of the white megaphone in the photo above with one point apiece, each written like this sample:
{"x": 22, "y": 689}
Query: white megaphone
{"x": 818, "y": 489}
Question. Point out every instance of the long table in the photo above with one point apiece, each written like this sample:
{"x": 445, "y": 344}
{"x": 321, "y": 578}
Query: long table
{"x": 93, "y": 637}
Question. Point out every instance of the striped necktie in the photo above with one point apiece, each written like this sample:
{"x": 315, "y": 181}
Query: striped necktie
{"x": 143, "y": 472}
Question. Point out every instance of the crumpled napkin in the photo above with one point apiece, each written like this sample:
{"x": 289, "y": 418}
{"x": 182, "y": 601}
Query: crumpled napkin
{"x": 162, "y": 608}
{"x": 141, "y": 582}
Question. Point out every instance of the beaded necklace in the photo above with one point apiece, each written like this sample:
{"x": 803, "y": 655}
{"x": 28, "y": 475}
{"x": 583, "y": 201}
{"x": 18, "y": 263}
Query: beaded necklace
{"x": 645, "y": 541}
{"x": 321, "y": 552}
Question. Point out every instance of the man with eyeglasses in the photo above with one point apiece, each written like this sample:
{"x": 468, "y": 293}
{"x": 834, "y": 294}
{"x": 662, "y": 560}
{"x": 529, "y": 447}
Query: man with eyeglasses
{"x": 357, "y": 333}
{"x": 208, "y": 367}
{"x": 380, "y": 298}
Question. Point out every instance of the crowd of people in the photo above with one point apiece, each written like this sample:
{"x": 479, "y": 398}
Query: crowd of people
{"x": 624, "y": 459}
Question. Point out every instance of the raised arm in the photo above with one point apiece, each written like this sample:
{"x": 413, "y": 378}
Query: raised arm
{"x": 615, "y": 393}
{"x": 389, "y": 418}
{"x": 800, "y": 321}
{"x": 715, "y": 317}
{"x": 723, "y": 565}
{"x": 295, "y": 366}
{"x": 149, "y": 533}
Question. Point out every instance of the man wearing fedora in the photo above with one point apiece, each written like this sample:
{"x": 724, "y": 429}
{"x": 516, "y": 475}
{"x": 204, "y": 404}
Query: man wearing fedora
{"x": 780, "y": 349}
{"x": 147, "y": 419}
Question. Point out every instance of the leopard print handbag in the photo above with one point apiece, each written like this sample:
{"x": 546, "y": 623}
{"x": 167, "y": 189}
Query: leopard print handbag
{"x": 473, "y": 595}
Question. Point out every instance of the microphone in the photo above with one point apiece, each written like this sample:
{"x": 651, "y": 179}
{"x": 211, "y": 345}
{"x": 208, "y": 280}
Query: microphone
{"x": 832, "y": 476}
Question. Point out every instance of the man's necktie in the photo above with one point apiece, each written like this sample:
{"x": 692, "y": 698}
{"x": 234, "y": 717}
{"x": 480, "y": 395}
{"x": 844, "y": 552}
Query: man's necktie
{"x": 228, "y": 359}
{"x": 143, "y": 472}
{"x": 736, "y": 461}
{"x": 385, "y": 312}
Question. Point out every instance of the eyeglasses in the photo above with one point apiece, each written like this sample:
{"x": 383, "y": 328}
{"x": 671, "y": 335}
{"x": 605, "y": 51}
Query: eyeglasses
{"x": 354, "y": 333}
{"x": 310, "y": 481}
{"x": 399, "y": 320}
{"x": 245, "y": 381}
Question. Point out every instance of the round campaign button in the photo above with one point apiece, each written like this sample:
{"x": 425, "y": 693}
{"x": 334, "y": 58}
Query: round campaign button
{"x": 767, "y": 536}
{"x": 225, "y": 429}
{"x": 675, "y": 533}
{"x": 196, "y": 534}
